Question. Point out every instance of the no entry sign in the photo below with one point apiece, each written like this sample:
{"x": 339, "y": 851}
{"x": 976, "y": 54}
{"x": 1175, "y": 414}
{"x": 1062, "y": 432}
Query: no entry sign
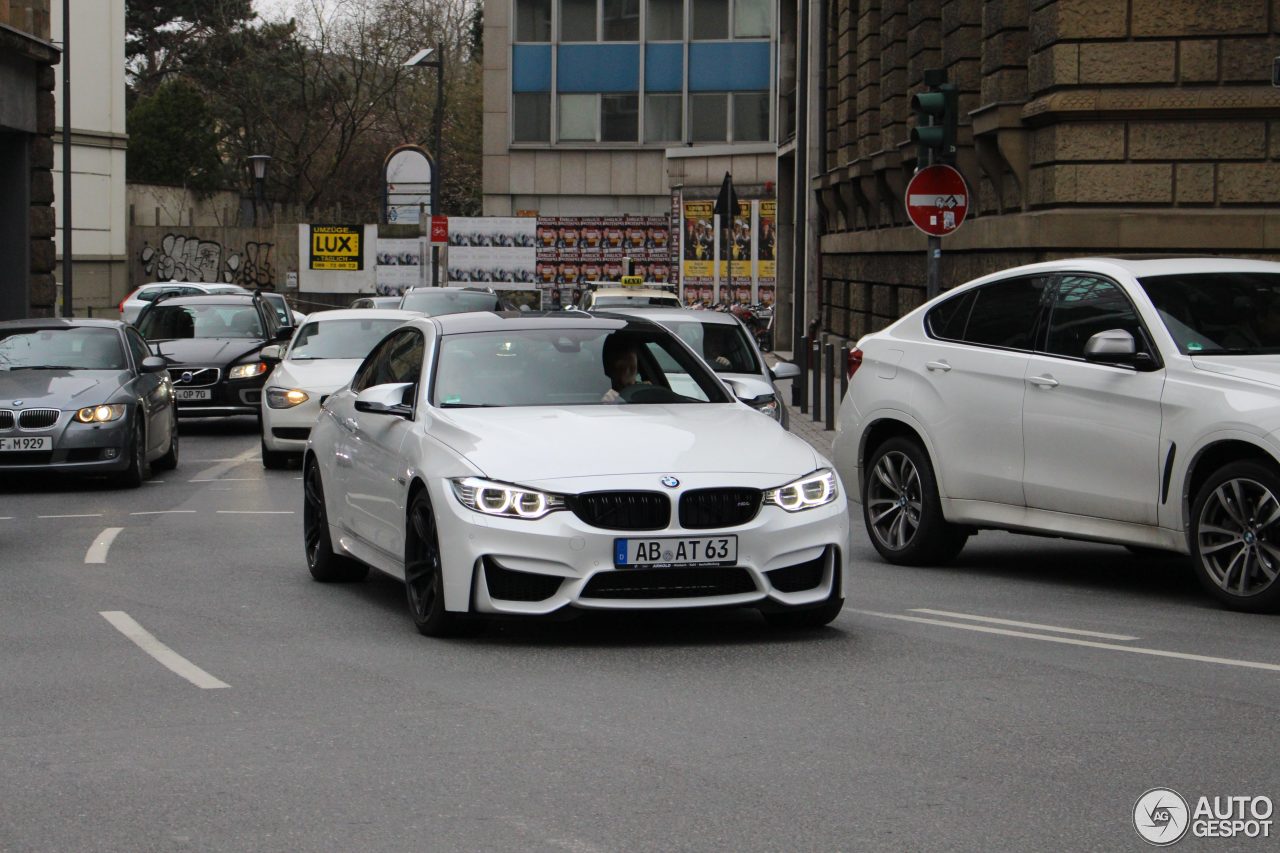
{"x": 937, "y": 200}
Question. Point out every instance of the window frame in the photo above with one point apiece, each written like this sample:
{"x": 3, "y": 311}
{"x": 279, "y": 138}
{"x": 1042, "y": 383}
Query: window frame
{"x": 1143, "y": 341}
{"x": 1039, "y": 323}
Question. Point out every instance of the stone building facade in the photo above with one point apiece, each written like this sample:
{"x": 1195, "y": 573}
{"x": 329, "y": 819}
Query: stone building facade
{"x": 1087, "y": 127}
{"x": 27, "y": 61}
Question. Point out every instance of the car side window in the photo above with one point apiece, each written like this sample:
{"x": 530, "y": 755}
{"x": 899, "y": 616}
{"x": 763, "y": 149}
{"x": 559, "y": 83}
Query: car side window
{"x": 1006, "y": 313}
{"x": 396, "y": 359}
{"x": 1084, "y": 305}
{"x": 947, "y": 319}
{"x": 138, "y": 347}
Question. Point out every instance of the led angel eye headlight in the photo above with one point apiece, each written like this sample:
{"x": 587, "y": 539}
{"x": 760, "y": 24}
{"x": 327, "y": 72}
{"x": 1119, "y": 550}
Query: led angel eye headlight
{"x": 814, "y": 490}
{"x": 504, "y": 500}
{"x": 99, "y": 414}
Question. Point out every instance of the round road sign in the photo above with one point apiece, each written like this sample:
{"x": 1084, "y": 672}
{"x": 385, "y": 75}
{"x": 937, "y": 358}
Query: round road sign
{"x": 937, "y": 200}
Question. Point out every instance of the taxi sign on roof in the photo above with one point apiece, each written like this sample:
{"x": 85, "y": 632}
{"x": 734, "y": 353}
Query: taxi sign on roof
{"x": 632, "y": 281}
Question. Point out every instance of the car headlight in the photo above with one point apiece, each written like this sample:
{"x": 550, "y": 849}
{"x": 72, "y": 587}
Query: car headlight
{"x": 768, "y": 404}
{"x": 810, "y": 491}
{"x": 501, "y": 499}
{"x": 100, "y": 414}
{"x": 286, "y": 398}
{"x": 246, "y": 371}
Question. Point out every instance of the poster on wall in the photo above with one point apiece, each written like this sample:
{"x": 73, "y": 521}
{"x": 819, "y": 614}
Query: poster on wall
{"x": 489, "y": 250}
{"x": 576, "y": 250}
{"x": 336, "y": 247}
{"x": 739, "y": 249}
{"x": 402, "y": 264}
{"x": 698, "y": 243}
{"x": 767, "y": 248}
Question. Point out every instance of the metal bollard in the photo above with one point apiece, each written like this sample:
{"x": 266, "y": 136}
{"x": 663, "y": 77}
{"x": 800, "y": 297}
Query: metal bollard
{"x": 844, "y": 371}
{"x": 797, "y": 387}
{"x": 800, "y": 385}
{"x": 830, "y": 354}
{"x": 815, "y": 359}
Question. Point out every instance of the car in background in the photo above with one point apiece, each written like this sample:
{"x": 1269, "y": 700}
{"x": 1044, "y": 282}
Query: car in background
{"x": 438, "y": 301}
{"x": 213, "y": 347}
{"x": 131, "y": 306}
{"x": 319, "y": 360}
{"x": 1132, "y": 402}
{"x": 284, "y": 313}
{"x": 84, "y": 397}
{"x": 521, "y": 464}
{"x": 376, "y": 302}
{"x": 731, "y": 351}
{"x": 604, "y": 298}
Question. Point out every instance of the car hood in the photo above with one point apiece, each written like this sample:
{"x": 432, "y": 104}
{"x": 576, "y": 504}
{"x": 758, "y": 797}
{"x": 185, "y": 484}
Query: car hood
{"x": 324, "y": 375}
{"x": 530, "y": 444}
{"x": 1264, "y": 369}
{"x": 211, "y": 351}
{"x": 59, "y": 389}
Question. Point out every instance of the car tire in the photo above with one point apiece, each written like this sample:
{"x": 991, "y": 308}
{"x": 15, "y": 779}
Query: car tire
{"x": 138, "y": 469}
{"x": 424, "y": 572}
{"x": 901, "y": 509}
{"x": 326, "y": 566}
{"x": 273, "y": 460}
{"x": 169, "y": 461}
{"x": 1235, "y": 536}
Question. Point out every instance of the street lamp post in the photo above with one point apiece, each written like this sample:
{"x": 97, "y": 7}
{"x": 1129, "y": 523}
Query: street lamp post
{"x": 422, "y": 59}
{"x": 259, "y": 163}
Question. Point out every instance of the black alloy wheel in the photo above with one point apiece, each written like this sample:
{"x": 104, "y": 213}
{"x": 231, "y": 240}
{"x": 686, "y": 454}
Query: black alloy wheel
{"x": 324, "y": 564}
{"x": 138, "y": 470}
{"x": 901, "y": 508}
{"x": 424, "y": 572}
{"x": 169, "y": 461}
{"x": 1235, "y": 536}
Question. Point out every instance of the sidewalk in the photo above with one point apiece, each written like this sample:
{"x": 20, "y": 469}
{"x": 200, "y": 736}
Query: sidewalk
{"x": 803, "y": 425}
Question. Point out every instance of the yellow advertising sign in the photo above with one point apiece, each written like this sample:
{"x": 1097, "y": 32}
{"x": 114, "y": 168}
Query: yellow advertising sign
{"x": 336, "y": 247}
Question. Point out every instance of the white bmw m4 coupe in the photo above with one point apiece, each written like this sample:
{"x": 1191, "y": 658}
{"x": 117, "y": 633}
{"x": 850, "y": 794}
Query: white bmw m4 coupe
{"x": 521, "y": 465}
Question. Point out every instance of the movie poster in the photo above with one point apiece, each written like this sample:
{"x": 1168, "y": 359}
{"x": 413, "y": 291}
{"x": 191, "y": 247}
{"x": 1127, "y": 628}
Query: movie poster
{"x": 767, "y": 249}
{"x": 698, "y": 242}
{"x": 740, "y": 249}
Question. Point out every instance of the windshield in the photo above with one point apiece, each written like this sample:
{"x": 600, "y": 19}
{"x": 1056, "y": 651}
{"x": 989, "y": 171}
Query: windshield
{"x": 724, "y": 346}
{"x": 167, "y": 322}
{"x": 636, "y": 302}
{"x": 65, "y": 348}
{"x": 569, "y": 367}
{"x": 1220, "y": 313}
{"x": 436, "y": 302}
{"x": 340, "y": 338}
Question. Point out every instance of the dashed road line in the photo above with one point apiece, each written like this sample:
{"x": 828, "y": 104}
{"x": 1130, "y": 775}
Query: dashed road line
{"x": 97, "y": 552}
{"x": 1014, "y": 624}
{"x": 229, "y": 480}
{"x": 81, "y": 515}
{"x": 167, "y": 657}
{"x": 165, "y": 512}
{"x": 255, "y": 512}
{"x": 216, "y": 471}
{"x": 1071, "y": 641}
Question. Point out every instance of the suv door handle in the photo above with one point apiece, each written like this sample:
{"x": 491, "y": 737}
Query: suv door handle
{"x": 938, "y": 365}
{"x": 1043, "y": 381}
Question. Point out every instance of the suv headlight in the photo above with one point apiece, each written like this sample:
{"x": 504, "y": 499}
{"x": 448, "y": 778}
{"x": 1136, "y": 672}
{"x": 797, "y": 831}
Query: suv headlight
{"x": 246, "y": 371}
{"x": 286, "y": 398}
{"x": 100, "y": 414}
{"x": 501, "y": 499}
{"x": 812, "y": 490}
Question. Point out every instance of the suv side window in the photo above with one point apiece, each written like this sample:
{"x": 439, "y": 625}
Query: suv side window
{"x": 1084, "y": 305}
{"x": 1006, "y": 313}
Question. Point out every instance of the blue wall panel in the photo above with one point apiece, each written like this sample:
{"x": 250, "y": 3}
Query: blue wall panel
{"x": 531, "y": 68}
{"x": 728, "y": 66}
{"x": 598, "y": 68}
{"x": 663, "y": 67}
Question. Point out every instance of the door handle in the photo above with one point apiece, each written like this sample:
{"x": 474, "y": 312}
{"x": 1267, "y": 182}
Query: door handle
{"x": 1043, "y": 381}
{"x": 938, "y": 365}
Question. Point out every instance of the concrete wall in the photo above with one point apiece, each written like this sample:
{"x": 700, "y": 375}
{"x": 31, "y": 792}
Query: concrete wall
{"x": 252, "y": 257}
{"x": 149, "y": 204}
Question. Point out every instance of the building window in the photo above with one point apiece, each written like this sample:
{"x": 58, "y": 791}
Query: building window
{"x": 666, "y": 20}
{"x": 621, "y": 20}
{"x": 577, "y": 118}
{"x": 710, "y": 19}
{"x": 752, "y": 18}
{"x": 533, "y": 20}
{"x": 619, "y": 118}
{"x": 577, "y": 20}
{"x": 663, "y": 118}
{"x": 708, "y": 117}
{"x": 531, "y": 116}
{"x": 750, "y": 116}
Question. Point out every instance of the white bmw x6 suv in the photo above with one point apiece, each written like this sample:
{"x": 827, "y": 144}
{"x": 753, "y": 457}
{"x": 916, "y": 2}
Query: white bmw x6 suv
{"x": 1133, "y": 402}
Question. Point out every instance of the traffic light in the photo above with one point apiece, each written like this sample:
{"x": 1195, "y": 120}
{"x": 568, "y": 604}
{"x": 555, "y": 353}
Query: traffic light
{"x": 936, "y": 112}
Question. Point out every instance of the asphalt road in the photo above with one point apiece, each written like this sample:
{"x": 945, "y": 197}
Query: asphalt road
{"x": 181, "y": 683}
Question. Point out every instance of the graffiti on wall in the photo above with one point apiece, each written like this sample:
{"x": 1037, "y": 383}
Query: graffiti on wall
{"x": 183, "y": 258}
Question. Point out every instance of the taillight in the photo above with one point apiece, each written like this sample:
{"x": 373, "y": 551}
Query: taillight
{"x": 855, "y": 361}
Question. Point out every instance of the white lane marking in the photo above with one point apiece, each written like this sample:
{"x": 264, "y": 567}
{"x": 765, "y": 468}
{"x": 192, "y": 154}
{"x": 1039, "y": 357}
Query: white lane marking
{"x": 97, "y": 552}
{"x": 1013, "y": 624}
{"x": 164, "y": 512}
{"x": 6, "y": 517}
{"x": 229, "y": 480}
{"x": 166, "y": 656}
{"x": 84, "y": 515}
{"x": 255, "y": 512}
{"x": 1069, "y": 641}
{"x": 216, "y": 471}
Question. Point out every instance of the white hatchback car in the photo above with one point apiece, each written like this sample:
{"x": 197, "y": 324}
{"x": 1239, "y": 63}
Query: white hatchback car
{"x": 523, "y": 465}
{"x": 320, "y": 359}
{"x": 1133, "y": 402}
{"x": 131, "y": 306}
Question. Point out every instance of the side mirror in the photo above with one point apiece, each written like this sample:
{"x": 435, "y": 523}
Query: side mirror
{"x": 385, "y": 400}
{"x": 154, "y": 364}
{"x": 1114, "y": 345}
{"x": 273, "y": 354}
{"x": 285, "y": 333}
{"x": 740, "y": 390}
{"x": 784, "y": 370}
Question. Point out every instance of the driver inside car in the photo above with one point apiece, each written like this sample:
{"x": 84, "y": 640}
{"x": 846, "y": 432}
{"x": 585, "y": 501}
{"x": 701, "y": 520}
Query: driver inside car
{"x": 621, "y": 365}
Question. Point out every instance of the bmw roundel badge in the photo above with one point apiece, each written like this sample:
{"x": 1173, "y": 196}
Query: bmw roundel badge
{"x": 670, "y": 482}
